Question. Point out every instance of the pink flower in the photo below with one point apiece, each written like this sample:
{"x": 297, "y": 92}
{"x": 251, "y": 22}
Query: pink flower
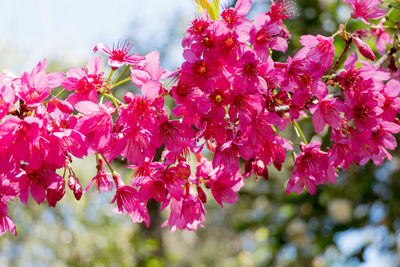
{"x": 129, "y": 203}
{"x": 85, "y": 82}
{"x": 119, "y": 54}
{"x": 97, "y": 124}
{"x": 36, "y": 86}
{"x": 382, "y": 38}
{"x": 104, "y": 183}
{"x": 225, "y": 185}
{"x": 282, "y": 10}
{"x": 42, "y": 184}
{"x": 147, "y": 75}
{"x": 318, "y": 49}
{"x": 235, "y": 18}
{"x": 312, "y": 167}
{"x": 327, "y": 111}
{"x": 366, "y": 9}
{"x": 264, "y": 35}
{"x": 187, "y": 213}
{"x": 6, "y": 224}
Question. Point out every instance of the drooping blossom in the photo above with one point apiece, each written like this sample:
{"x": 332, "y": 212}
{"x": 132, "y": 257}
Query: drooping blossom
{"x": 6, "y": 224}
{"x": 128, "y": 202}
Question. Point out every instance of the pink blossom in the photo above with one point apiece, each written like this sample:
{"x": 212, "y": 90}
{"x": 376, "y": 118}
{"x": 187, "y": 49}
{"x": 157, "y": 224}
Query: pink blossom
{"x": 225, "y": 185}
{"x": 382, "y": 38}
{"x": 96, "y": 125}
{"x": 366, "y": 9}
{"x": 312, "y": 167}
{"x": 235, "y": 18}
{"x": 129, "y": 203}
{"x": 282, "y": 10}
{"x": 327, "y": 111}
{"x": 119, "y": 55}
{"x": 187, "y": 213}
{"x": 36, "y": 86}
{"x": 264, "y": 35}
{"x": 102, "y": 179}
{"x": 85, "y": 82}
{"x": 319, "y": 49}
{"x": 6, "y": 224}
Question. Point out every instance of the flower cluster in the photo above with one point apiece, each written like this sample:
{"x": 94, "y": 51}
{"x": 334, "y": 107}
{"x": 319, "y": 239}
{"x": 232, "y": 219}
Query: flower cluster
{"x": 232, "y": 101}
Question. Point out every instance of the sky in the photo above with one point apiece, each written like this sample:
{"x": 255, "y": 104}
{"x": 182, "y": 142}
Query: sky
{"x": 67, "y": 30}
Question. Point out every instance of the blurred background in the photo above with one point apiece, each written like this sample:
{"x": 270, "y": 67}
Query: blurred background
{"x": 352, "y": 223}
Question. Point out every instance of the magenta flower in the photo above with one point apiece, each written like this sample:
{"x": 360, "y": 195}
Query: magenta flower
{"x": 327, "y": 111}
{"x": 282, "y": 10}
{"x": 225, "y": 185}
{"x": 382, "y": 38}
{"x": 119, "y": 54}
{"x": 102, "y": 179}
{"x": 42, "y": 184}
{"x": 128, "y": 202}
{"x": 97, "y": 124}
{"x": 312, "y": 167}
{"x": 85, "y": 82}
{"x": 6, "y": 224}
{"x": 264, "y": 35}
{"x": 235, "y": 18}
{"x": 318, "y": 49}
{"x": 366, "y": 9}
{"x": 36, "y": 86}
{"x": 187, "y": 213}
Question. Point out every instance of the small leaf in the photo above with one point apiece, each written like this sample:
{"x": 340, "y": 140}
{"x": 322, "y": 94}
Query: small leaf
{"x": 212, "y": 9}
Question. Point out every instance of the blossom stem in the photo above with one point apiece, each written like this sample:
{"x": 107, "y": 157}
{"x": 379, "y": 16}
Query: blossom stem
{"x": 113, "y": 99}
{"x": 122, "y": 73}
{"x": 121, "y": 82}
{"x": 340, "y": 58}
{"x": 59, "y": 93}
{"x": 108, "y": 79}
{"x": 109, "y": 165}
{"x": 299, "y": 132}
{"x": 344, "y": 28}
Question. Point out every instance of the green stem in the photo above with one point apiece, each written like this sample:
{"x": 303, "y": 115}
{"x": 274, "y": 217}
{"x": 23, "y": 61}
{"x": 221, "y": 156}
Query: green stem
{"x": 344, "y": 28}
{"x": 121, "y": 82}
{"x": 113, "y": 99}
{"x": 299, "y": 132}
{"x": 108, "y": 80}
{"x": 108, "y": 164}
{"x": 122, "y": 74}
{"x": 59, "y": 93}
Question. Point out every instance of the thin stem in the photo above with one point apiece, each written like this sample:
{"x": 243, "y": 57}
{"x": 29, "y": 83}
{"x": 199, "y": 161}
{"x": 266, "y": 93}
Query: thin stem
{"x": 109, "y": 165}
{"x": 59, "y": 93}
{"x": 299, "y": 132}
{"x": 113, "y": 99}
{"x": 108, "y": 80}
{"x": 344, "y": 28}
{"x": 121, "y": 82}
{"x": 340, "y": 58}
{"x": 122, "y": 73}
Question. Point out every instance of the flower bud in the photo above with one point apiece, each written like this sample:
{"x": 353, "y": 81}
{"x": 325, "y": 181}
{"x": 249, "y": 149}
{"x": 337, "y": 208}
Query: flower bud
{"x": 364, "y": 49}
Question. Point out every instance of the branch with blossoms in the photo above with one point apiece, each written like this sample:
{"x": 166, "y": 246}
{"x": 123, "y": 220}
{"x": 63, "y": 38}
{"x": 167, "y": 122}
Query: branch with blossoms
{"x": 232, "y": 101}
